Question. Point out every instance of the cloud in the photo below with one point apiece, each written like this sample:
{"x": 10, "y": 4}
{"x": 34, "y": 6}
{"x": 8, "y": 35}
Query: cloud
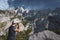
{"x": 4, "y": 4}
{"x": 32, "y": 4}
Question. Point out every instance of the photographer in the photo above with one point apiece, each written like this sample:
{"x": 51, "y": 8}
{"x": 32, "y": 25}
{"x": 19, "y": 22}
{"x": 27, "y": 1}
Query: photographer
{"x": 13, "y": 28}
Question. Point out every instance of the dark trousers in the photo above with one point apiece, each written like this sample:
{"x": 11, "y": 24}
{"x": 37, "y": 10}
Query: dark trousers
{"x": 10, "y": 38}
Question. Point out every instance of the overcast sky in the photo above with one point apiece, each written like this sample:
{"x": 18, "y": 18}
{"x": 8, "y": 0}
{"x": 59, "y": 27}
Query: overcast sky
{"x": 32, "y": 4}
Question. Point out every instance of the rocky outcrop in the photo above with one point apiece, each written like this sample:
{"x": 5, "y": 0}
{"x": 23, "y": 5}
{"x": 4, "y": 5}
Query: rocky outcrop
{"x": 45, "y": 35}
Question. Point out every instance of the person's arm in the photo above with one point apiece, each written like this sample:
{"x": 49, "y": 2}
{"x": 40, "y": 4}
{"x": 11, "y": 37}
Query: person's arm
{"x": 17, "y": 29}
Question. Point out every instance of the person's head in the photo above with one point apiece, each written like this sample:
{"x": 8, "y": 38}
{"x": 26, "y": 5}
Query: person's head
{"x": 15, "y": 22}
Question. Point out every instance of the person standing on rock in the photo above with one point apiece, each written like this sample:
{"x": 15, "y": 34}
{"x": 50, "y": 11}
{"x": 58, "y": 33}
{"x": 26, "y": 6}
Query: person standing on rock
{"x": 12, "y": 29}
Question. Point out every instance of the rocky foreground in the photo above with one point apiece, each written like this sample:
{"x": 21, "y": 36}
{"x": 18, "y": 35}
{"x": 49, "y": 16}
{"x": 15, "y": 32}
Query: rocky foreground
{"x": 45, "y": 35}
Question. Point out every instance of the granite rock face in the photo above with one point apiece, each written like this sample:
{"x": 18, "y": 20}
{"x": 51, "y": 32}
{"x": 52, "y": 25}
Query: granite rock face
{"x": 45, "y": 35}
